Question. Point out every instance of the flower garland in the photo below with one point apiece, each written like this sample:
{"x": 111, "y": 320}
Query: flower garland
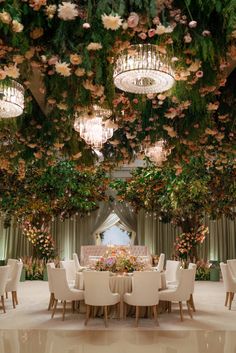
{"x": 187, "y": 242}
{"x": 41, "y": 239}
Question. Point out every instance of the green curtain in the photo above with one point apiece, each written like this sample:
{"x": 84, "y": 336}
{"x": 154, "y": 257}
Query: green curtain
{"x": 160, "y": 237}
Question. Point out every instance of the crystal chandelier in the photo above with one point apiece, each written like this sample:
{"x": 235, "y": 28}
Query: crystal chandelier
{"x": 143, "y": 69}
{"x": 11, "y": 99}
{"x": 157, "y": 153}
{"x": 92, "y": 128}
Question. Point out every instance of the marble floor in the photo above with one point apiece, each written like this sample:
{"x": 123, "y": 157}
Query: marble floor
{"x": 29, "y": 328}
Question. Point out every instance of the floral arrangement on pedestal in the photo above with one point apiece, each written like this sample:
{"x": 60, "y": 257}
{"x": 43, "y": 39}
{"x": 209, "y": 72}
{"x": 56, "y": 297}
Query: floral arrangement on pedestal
{"x": 41, "y": 239}
{"x": 119, "y": 260}
{"x": 186, "y": 243}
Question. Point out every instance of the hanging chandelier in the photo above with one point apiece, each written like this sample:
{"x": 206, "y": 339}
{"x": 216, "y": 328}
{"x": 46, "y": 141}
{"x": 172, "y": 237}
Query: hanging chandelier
{"x": 143, "y": 69}
{"x": 92, "y": 128}
{"x": 11, "y": 99}
{"x": 157, "y": 153}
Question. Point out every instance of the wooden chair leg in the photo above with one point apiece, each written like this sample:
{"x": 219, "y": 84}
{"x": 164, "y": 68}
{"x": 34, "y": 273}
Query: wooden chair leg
{"x": 231, "y": 296}
{"x": 181, "y": 311}
{"x": 16, "y": 298}
{"x": 3, "y": 304}
{"x": 137, "y": 316}
{"x": 192, "y": 302}
{"x": 6, "y": 295}
{"x": 105, "y": 315}
{"x": 13, "y": 299}
{"x": 54, "y": 308}
{"x": 169, "y": 307}
{"x": 87, "y": 314}
{"x": 51, "y": 301}
{"x": 154, "y": 308}
{"x": 226, "y": 298}
{"x": 125, "y": 310}
{"x": 189, "y": 309}
{"x": 63, "y": 310}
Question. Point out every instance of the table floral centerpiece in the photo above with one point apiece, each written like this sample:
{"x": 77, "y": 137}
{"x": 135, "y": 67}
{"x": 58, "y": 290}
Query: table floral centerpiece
{"x": 119, "y": 260}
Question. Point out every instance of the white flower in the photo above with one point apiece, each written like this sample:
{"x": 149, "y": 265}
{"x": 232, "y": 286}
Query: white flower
{"x": 50, "y": 11}
{"x": 111, "y": 22}
{"x": 17, "y": 26}
{"x": 5, "y": 17}
{"x": 12, "y": 71}
{"x": 63, "y": 69}
{"x": 67, "y": 11}
{"x": 94, "y": 46}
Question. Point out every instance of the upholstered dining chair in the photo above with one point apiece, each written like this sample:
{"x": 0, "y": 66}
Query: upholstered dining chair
{"x": 232, "y": 267}
{"x": 161, "y": 262}
{"x": 191, "y": 301}
{"x": 78, "y": 267}
{"x": 4, "y": 271}
{"x": 145, "y": 286}
{"x": 13, "y": 282}
{"x": 12, "y": 263}
{"x": 172, "y": 272}
{"x": 181, "y": 292}
{"x": 62, "y": 291}
{"x": 50, "y": 265}
{"x": 69, "y": 266}
{"x": 97, "y": 292}
{"x": 229, "y": 284}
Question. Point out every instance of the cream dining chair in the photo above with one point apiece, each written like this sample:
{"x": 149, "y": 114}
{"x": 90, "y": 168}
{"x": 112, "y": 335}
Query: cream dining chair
{"x": 78, "y": 267}
{"x": 50, "y": 265}
{"x": 13, "y": 282}
{"x": 97, "y": 292}
{"x": 145, "y": 287}
{"x": 69, "y": 266}
{"x": 229, "y": 284}
{"x": 181, "y": 292}
{"x": 4, "y": 271}
{"x": 172, "y": 272}
{"x": 232, "y": 267}
{"x": 191, "y": 301}
{"x": 62, "y": 291}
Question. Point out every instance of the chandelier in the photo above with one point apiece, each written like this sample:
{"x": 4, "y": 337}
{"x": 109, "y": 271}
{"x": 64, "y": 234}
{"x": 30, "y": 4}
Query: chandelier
{"x": 143, "y": 69}
{"x": 11, "y": 99}
{"x": 92, "y": 128}
{"x": 157, "y": 153}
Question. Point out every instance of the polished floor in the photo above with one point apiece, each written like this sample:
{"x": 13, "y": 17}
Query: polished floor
{"x": 30, "y": 329}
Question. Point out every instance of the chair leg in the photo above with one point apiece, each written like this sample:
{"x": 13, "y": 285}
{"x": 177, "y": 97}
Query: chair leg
{"x": 125, "y": 310}
{"x": 231, "y": 296}
{"x": 137, "y": 316}
{"x": 51, "y": 301}
{"x": 226, "y": 298}
{"x": 181, "y": 311}
{"x": 54, "y": 308}
{"x": 105, "y": 315}
{"x": 192, "y": 302}
{"x": 64, "y": 310}
{"x": 189, "y": 308}
{"x": 6, "y": 295}
{"x": 3, "y": 304}
{"x": 16, "y": 298}
{"x": 154, "y": 308}
{"x": 87, "y": 314}
{"x": 13, "y": 299}
{"x": 169, "y": 307}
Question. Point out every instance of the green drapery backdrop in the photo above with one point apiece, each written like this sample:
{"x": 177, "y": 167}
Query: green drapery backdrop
{"x": 158, "y": 236}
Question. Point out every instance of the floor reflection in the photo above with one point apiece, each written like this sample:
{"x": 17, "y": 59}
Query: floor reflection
{"x": 50, "y": 341}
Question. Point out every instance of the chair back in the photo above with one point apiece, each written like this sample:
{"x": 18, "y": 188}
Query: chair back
{"x": 59, "y": 283}
{"x": 160, "y": 265}
{"x": 96, "y": 288}
{"x": 13, "y": 282}
{"x": 232, "y": 266}
{"x": 172, "y": 270}
{"x": 69, "y": 266}
{"x": 76, "y": 262}
{"x": 50, "y": 265}
{"x": 145, "y": 286}
{"x": 193, "y": 267}
{"x": 12, "y": 263}
{"x": 184, "y": 288}
{"x": 229, "y": 283}
{"x": 4, "y": 273}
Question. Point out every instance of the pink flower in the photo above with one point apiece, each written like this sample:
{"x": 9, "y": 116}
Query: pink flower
{"x": 86, "y": 25}
{"x": 206, "y": 33}
{"x": 133, "y": 20}
{"x": 142, "y": 35}
{"x": 187, "y": 38}
{"x": 199, "y": 73}
{"x": 151, "y": 32}
{"x": 192, "y": 24}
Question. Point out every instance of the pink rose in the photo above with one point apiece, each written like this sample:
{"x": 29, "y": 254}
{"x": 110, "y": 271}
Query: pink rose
{"x": 142, "y": 35}
{"x": 53, "y": 60}
{"x": 133, "y": 20}
{"x": 151, "y": 32}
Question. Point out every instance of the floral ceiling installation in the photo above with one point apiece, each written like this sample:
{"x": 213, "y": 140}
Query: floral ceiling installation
{"x": 64, "y": 53}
